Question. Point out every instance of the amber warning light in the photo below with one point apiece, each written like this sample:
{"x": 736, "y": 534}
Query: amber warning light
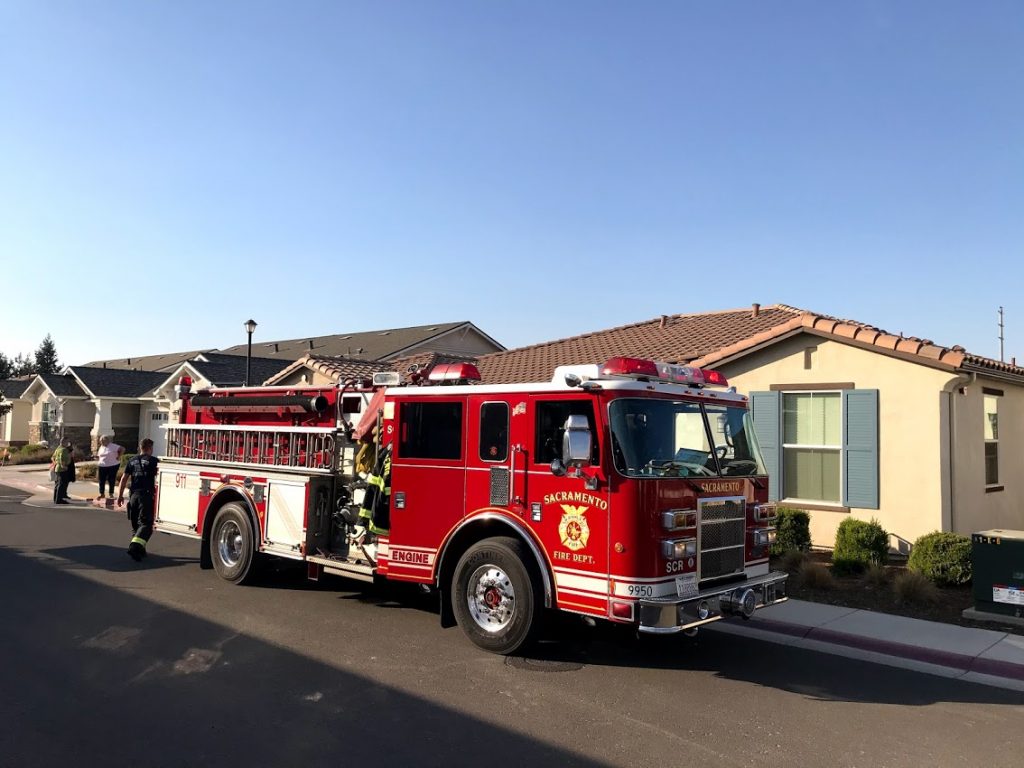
{"x": 638, "y": 368}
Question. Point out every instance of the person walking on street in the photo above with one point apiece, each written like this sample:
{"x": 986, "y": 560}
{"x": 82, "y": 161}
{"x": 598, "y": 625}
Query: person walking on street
{"x": 109, "y": 456}
{"x": 141, "y": 469}
{"x": 62, "y": 462}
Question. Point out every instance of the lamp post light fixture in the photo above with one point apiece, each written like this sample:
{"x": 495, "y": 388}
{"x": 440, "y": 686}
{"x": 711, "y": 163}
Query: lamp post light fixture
{"x": 250, "y": 326}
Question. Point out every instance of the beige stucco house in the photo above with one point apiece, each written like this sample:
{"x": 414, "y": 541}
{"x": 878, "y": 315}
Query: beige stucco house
{"x": 853, "y": 421}
{"x": 14, "y": 423}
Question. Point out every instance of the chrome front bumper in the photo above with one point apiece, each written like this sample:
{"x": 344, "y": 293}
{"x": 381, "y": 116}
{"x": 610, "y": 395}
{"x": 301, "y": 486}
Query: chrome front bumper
{"x": 674, "y": 614}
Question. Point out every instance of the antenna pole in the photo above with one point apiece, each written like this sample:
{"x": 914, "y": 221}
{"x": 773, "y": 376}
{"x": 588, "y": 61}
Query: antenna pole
{"x": 1002, "y": 359}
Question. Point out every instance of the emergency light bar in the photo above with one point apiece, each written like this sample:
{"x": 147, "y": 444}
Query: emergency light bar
{"x": 449, "y": 373}
{"x": 646, "y": 370}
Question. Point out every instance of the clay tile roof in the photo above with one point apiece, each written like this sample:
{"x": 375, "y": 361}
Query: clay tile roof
{"x": 674, "y": 338}
{"x": 336, "y": 367}
{"x": 711, "y": 337}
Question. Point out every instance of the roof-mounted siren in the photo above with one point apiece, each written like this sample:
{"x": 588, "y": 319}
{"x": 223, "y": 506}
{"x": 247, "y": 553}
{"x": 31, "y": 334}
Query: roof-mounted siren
{"x": 656, "y": 370}
{"x": 453, "y": 373}
{"x": 183, "y": 387}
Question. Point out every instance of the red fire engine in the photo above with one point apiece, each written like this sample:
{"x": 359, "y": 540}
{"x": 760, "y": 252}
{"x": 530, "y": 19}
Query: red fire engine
{"x": 633, "y": 492}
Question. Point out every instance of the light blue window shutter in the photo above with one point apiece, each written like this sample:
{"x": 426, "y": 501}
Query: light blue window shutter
{"x": 860, "y": 448}
{"x": 765, "y": 407}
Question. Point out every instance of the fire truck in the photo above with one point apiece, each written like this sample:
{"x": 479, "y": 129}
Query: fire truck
{"x": 632, "y": 492}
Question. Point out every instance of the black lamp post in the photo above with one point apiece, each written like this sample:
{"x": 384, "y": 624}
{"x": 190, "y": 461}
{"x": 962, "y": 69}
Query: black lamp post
{"x": 250, "y": 326}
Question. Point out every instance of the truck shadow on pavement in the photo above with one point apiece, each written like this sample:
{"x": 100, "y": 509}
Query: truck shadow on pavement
{"x": 105, "y": 557}
{"x": 569, "y": 644}
{"x": 82, "y": 660}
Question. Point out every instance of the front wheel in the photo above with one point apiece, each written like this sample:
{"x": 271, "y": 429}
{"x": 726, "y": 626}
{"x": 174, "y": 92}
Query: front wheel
{"x": 494, "y": 596}
{"x": 233, "y": 544}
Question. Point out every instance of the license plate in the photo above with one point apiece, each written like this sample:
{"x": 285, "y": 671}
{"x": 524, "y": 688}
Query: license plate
{"x": 686, "y": 585}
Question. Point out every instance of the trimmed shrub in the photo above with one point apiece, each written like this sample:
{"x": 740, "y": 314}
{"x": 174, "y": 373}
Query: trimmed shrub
{"x": 858, "y": 545}
{"x": 792, "y": 560}
{"x": 913, "y": 588}
{"x": 792, "y": 531}
{"x": 944, "y": 558}
{"x": 815, "y": 576}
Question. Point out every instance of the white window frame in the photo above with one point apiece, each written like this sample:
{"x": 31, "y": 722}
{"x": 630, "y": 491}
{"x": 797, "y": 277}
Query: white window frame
{"x": 984, "y": 415}
{"x": 837, "y": 448}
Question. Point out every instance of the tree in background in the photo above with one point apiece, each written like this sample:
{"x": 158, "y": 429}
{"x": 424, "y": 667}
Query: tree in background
{"x": 5, "y": 405}
{"x": 22, "y": 365}
{"x": 6, "y": 367}
{"x": 46, "y": 357}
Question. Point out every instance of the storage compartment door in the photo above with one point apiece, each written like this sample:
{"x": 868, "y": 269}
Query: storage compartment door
{"x": 286, "y": 516}
{"x": 177, "y": 501}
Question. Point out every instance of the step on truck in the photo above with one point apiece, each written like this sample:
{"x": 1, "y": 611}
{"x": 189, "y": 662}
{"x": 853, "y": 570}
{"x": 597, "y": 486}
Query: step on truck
{"x": 632, "y": 492}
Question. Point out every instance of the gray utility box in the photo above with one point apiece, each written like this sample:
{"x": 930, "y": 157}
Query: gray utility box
{"x": 997, "y": 558}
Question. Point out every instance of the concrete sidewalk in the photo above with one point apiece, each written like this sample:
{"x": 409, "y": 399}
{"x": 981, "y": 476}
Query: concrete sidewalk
{"x": 35, "y": 479}
{"x": 979, "y": 655}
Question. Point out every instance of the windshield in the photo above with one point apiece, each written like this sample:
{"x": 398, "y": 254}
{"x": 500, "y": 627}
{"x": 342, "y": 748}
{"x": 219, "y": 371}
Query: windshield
{"x": 670, "y": 438}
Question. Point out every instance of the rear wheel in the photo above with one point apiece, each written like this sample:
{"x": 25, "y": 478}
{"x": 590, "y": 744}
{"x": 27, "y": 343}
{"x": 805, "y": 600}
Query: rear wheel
{"x": 495, "y": 598}
{"x": 233, "y": 544}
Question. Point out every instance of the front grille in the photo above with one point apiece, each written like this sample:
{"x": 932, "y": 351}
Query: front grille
{"x": 723, "y": 532}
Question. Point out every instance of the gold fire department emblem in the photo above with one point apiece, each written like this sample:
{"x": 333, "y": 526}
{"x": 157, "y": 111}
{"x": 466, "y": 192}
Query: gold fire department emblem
{"x": 574, "y": 529}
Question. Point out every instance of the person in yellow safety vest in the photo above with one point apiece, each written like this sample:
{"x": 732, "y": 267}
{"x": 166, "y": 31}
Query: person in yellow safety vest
{"x": 61, "y": 466}
{"x": 375, "y": 510}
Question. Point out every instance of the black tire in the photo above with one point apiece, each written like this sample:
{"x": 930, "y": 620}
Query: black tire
{"x": 495, "y": 597}
{"x": 233, "y": 544}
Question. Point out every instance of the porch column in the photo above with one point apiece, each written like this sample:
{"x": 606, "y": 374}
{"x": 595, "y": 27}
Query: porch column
{"x": 102, "y": 422}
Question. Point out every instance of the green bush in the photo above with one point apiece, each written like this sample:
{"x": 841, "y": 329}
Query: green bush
{"x": 945, "y": 558}
{"x": 858, "y": 545}
{"x": 792, "y": 531}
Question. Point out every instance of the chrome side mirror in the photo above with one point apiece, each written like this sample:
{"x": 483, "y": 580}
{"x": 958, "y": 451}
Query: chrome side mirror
{"x": 576, "y": 443}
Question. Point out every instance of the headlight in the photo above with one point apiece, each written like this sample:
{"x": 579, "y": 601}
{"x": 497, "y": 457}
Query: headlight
{"x": 764, "y": 537}
{"x": 764, "y": 512}
{"x": 677, "y": 549}
{"x": 675, "y": 519}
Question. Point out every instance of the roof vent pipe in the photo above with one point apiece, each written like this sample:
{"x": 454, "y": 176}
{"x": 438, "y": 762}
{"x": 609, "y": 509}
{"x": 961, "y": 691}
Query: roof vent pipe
{"x": 755, "y": 309}
{"x": 664, "y": 321}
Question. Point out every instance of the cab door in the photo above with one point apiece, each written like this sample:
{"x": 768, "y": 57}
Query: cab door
{"x": 569, "y": 511}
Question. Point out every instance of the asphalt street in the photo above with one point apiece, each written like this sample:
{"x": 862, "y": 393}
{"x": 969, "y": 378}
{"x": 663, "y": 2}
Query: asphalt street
{"x": 107, "y": 662}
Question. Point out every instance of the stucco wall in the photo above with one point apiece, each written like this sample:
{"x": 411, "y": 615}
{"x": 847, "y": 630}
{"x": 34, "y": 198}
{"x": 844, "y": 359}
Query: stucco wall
{"x": 14, "y": 425}
{"x": 975, "y": 509}
{"x": 910, "y": 426}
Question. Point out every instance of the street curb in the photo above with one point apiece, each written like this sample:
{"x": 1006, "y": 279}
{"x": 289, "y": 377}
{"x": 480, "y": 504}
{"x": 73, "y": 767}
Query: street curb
{"x": 959, "y": 661}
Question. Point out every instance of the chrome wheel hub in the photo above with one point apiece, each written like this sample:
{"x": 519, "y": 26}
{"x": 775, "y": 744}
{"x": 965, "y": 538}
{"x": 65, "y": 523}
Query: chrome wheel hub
{"x": 229, "y": 544}
{"x": 491, "y": 598}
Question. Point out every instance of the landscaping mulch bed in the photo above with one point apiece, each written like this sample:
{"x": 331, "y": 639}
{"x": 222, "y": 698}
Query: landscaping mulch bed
{"x": 852, "y": 592}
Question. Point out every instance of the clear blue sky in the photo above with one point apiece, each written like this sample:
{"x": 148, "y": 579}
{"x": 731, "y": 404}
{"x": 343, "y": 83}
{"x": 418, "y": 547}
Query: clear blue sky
{"x": 169, "y": 169}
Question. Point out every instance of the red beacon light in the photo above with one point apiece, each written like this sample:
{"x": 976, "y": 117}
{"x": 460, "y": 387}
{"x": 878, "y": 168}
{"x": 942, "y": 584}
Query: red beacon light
{"x": 453, "y": 373}
{"x": 638, "y": 368}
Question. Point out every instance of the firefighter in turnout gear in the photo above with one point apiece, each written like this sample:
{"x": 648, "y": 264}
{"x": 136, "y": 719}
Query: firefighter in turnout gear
{"x": 142, "y": 469}
{"x": 376, "y": 507}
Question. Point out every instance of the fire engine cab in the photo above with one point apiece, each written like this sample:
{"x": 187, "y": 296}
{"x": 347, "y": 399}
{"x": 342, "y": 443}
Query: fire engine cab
{"x": 632, "y": 491}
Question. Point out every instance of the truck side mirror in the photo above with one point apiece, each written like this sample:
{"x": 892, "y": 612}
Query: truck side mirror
{"x": 576, "y": 443}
